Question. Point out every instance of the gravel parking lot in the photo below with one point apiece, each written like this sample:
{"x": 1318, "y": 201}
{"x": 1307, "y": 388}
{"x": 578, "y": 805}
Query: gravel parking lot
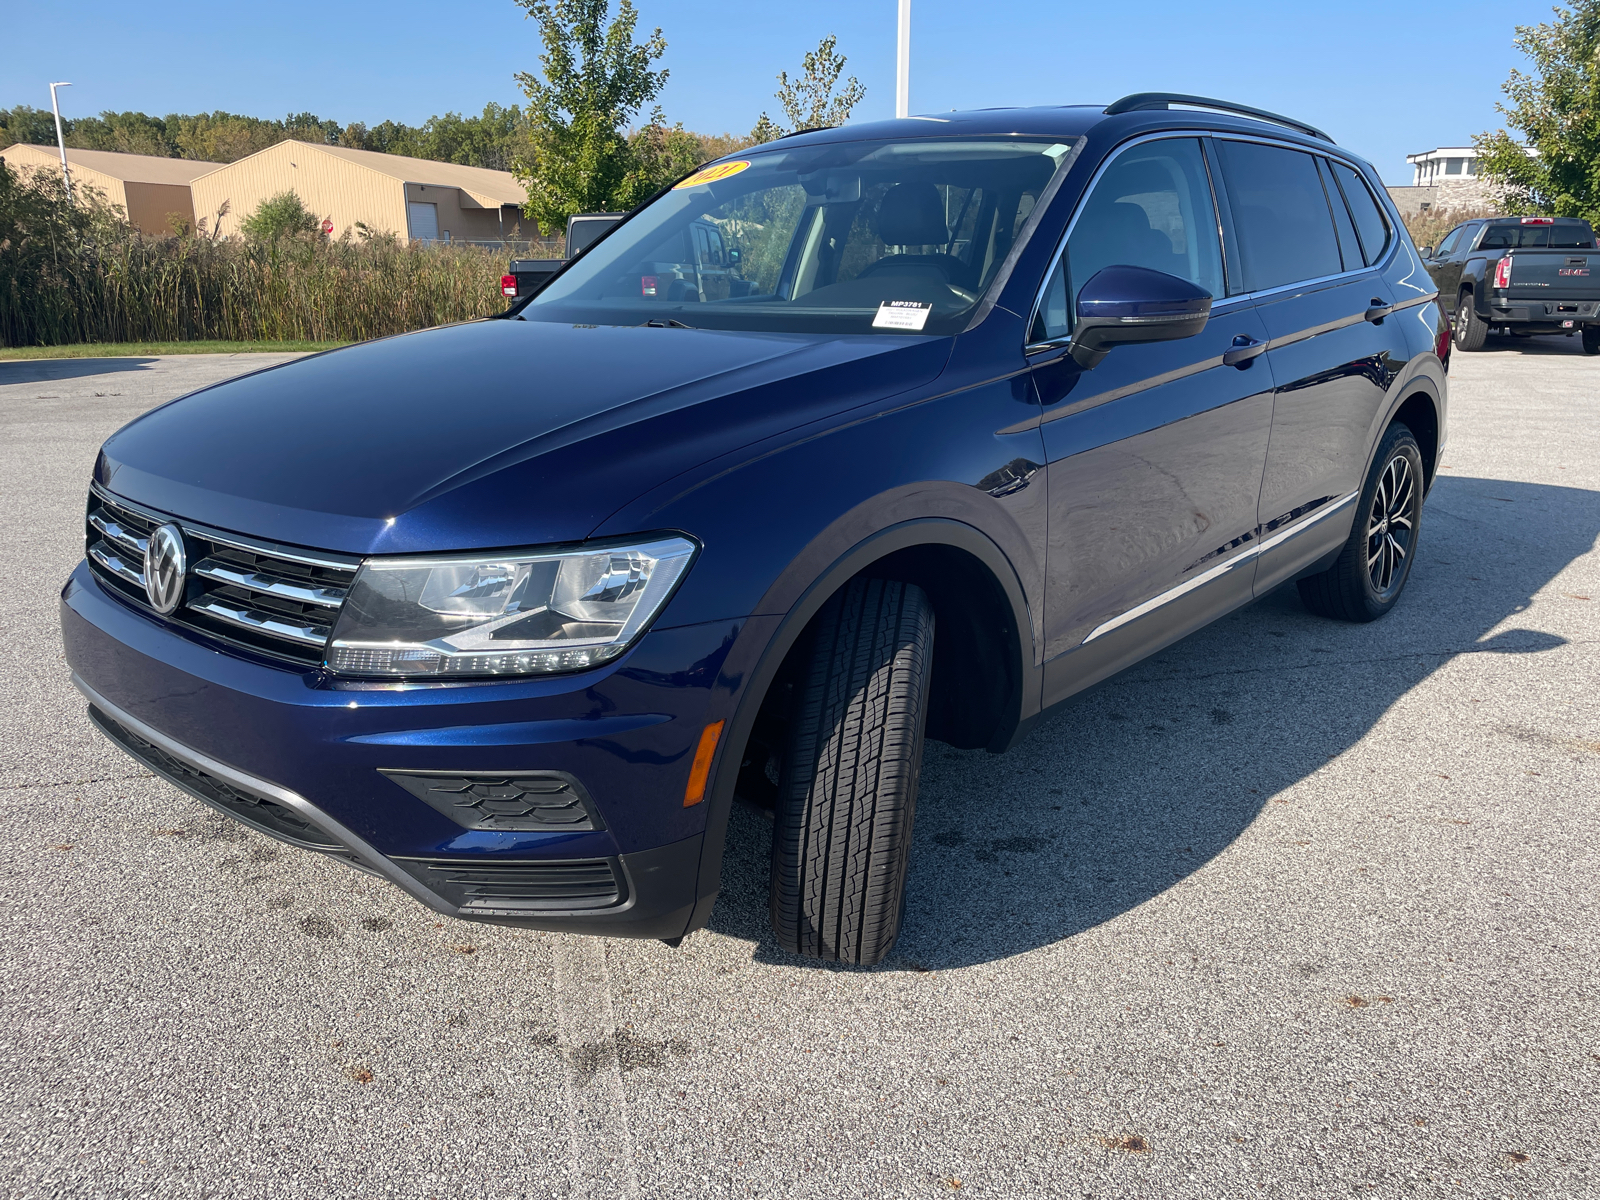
{"x": 1293, "y": 909}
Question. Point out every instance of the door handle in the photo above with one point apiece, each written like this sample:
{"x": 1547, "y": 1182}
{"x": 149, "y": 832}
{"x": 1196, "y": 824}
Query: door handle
{"x": 1243, "y": 351}
{"x": 1377, "y": 310}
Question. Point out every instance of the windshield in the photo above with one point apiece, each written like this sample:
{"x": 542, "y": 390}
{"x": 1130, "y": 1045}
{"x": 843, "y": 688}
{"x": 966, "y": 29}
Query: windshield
{"x": 848, "y": 237}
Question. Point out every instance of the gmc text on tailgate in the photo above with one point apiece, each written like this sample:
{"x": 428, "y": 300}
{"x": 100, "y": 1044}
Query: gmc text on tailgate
{"x": 1519, "y": 275}
{"x": 868, "y": 435}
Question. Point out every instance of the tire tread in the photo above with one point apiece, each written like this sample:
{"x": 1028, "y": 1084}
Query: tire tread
{"x": 848, "y": 789}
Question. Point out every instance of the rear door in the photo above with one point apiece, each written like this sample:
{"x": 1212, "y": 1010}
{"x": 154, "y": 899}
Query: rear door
{"x": 1155, "y": 455}
{"x": 1304, "y": 257}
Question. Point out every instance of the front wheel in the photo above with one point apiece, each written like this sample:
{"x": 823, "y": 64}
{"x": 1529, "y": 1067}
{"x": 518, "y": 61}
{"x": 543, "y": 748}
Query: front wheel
{"x": 1372, "y": 569}
{"x": 1591, "y": 339}
{"x": 848, "y": 791}
{"x": 1470, "y": 331}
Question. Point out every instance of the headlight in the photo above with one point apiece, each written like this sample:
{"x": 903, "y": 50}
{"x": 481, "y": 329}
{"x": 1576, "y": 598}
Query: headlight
{"x": 503, "y": 614}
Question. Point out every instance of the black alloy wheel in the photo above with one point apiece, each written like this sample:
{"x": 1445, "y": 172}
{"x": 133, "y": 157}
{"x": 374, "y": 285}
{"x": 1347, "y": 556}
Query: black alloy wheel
{"x": 1371, "y": 571}
{"x": 847, "y": 793}
{"x": 1392, "y": 525}
{"x": 1470, "y": 331}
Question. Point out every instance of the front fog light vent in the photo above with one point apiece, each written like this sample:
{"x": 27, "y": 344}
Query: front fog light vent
{"x": 550, "y": 801}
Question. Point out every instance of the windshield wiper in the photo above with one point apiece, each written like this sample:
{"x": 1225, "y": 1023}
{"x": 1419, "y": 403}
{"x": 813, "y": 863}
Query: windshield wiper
{"x": 658, "y": 323}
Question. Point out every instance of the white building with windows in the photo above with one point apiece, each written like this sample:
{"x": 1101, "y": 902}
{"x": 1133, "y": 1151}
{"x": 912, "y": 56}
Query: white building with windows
{"x": 1448, "y": 164}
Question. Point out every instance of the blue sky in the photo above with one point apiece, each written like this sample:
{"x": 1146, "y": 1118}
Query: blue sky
{"x": 1385, "y": 79}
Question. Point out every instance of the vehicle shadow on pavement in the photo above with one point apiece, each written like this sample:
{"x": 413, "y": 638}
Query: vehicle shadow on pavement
{"x": 1535, "y": 344}
{"x": 1132, "y": 787}
{"x": 47, "y": 370}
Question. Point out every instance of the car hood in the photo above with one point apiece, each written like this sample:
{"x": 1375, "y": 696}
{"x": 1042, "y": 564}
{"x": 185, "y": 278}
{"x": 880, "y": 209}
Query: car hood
{"x": 492, "y": 433}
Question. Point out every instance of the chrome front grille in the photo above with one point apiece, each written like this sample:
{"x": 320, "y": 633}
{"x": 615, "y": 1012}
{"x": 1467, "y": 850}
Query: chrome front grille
{"x": 278, "y": 600}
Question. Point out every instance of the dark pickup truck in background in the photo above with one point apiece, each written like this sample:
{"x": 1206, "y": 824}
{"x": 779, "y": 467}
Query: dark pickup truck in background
{"x": 527, "y": 275}
{"x": 1520, "y": 275}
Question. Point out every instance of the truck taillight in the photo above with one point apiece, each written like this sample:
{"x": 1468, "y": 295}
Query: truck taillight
{"x": 508, "y": 285}
{"x": 1538, "y": 220}
{"x": 1502, "y": 272}
{"x": 648, "y": 285}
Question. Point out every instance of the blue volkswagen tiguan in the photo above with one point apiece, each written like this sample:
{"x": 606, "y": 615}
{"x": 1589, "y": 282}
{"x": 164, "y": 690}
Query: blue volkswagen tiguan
{"x": 900, "y": 430}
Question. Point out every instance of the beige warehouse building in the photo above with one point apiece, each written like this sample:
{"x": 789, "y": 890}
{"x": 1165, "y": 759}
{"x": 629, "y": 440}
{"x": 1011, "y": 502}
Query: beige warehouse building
{"x": 412, "y": 198}
{"x": 150, "y": 190}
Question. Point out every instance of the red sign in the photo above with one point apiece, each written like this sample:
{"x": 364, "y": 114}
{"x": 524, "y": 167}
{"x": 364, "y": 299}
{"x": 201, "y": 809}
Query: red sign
{"x": 327, "y": 226}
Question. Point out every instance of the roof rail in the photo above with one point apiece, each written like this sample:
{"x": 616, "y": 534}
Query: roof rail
{"x": 807, "y": 129}
{"x": 1147, "y": 100}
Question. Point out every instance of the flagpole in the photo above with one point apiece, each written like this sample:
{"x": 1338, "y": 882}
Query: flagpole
{"x": 902, "y": 84}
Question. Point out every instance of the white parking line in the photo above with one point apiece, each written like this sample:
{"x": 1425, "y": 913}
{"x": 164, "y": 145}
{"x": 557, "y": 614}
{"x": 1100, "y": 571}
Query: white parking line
{"x": 600, "y": 1161}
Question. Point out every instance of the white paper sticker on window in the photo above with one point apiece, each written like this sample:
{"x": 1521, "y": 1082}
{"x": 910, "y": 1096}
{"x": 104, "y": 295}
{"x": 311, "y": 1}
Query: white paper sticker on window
{"x": 902, "y": 314}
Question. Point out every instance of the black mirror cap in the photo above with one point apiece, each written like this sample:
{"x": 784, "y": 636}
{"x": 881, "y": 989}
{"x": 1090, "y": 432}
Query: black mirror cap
{"x": 1123, "y": 304}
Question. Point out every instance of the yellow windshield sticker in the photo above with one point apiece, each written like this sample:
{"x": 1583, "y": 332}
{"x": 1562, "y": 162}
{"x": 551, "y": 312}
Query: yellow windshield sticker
{"x": 711, "y": 174}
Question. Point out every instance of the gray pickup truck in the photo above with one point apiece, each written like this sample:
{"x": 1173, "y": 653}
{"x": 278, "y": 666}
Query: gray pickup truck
{"x": 1519, "y": 275}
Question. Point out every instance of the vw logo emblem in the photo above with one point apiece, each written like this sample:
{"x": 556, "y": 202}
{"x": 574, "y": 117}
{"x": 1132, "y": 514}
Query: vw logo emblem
{"x": 164, "y": 568}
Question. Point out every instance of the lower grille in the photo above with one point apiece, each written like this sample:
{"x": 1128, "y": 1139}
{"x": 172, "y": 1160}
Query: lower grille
{"x": 552, "y": 884}
{"x": 270, "y": 817}
{"x": 550, "y": 800}
{"x": 274, "y": 599}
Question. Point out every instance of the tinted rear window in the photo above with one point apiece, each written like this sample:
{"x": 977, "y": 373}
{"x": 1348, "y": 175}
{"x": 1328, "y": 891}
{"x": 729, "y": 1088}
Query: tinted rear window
{"x": 1280, "y": 215}
{"x": 1560, "y": 237}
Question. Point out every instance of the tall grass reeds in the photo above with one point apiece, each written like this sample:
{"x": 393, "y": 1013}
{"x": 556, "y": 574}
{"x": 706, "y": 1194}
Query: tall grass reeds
{"x": 77, "y": 272}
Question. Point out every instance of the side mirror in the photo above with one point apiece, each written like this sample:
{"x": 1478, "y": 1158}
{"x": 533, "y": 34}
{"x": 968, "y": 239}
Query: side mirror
{"x": 1121, "y": 305}
{"x": 1427, "y": 252}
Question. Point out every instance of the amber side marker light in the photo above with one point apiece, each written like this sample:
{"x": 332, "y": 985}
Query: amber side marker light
{"x": 696, "y": 791}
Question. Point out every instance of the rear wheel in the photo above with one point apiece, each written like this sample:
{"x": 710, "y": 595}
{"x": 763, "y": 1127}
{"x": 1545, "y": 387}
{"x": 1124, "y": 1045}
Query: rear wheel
{"x": 848, "y": 791}
{"x": 1372, "y": 569}
{"x": 1591, "y": 339}
{"x": 1470, "y": 331}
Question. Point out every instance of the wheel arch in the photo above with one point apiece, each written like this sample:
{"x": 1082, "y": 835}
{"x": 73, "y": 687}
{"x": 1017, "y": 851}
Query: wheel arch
{"x": 976, "y": 595}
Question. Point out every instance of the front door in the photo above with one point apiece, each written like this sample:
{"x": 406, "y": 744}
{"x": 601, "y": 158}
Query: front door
{"x": 1155, "y": 455}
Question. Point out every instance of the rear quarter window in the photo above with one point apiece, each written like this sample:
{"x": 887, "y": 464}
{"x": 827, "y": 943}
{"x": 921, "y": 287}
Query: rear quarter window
{"x": 1369, "y": 218}
{"x": 1280, "y": 215}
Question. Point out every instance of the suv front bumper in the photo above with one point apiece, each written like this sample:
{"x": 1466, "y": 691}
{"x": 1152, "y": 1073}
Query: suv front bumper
{"x": 303, "y": 758}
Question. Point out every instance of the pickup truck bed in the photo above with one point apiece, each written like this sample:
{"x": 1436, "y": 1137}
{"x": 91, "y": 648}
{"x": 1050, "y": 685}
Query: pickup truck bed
{"x": 1522, "y": 275}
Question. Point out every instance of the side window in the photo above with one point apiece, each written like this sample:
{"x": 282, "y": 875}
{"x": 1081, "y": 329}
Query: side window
{"x": 1451, "y": 241}
{"x": 1370, "y": 221}
{"x": 1152, "y": 208}
{"x": 1349, "y": 247}
{"x": 1280, "y": 214}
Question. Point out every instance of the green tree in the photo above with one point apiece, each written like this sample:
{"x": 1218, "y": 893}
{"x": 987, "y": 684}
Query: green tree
{"x": 283, "y": 215}
{"x": 1557, "y": 110}
{"x": 809, "y": 101}
{"x": 33, "y": 126}
{"x": 125, "y": 133}
{"x": 596, "y": 78}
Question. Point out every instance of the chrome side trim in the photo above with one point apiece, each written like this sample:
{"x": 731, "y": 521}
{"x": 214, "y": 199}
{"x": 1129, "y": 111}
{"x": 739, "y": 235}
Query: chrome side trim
{"x": 272, "y": 585}
{"x": 358, "y": 846}
{"x": 1171, "y": 594}
{"x": 115, "y": 565}
{"x": 1249, "y": 554}
{"x": 1284, "y": 535}
{"x": 262, "y": 621}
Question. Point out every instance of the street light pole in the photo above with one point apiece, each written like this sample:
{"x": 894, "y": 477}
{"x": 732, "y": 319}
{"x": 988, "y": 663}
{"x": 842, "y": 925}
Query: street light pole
{"x": 902, "y": 83}
{"x": 62, "y": 141}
